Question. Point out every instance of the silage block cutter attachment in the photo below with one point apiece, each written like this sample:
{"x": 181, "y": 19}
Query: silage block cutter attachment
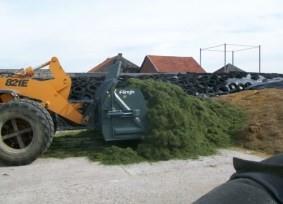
{"x": 121, "y": 111}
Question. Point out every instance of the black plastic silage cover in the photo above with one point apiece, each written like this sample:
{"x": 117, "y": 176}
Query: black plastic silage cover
{"x": 84, "y": 85}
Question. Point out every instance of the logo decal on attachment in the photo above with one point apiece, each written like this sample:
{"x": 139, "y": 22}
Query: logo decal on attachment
{"x": 126, "y": 92}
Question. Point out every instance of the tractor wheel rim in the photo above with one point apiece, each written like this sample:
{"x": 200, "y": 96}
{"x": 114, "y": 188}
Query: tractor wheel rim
{"x": 17, "y": 133}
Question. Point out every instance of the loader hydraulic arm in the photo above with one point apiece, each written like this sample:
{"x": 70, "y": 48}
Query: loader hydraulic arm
{"x": 52, "y": 93}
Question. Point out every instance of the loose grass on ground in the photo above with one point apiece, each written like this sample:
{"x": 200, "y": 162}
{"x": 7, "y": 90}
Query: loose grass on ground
{"x": 179, "y": 126}
{"x": 90, "y": 144}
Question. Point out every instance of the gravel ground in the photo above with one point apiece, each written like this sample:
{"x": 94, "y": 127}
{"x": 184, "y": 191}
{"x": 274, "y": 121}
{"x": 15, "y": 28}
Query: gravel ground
{"x": 77, "y": 180}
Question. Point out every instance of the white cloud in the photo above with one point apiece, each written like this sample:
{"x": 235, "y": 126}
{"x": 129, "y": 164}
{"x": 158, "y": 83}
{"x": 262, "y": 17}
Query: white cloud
{"x": 83, "y": 33}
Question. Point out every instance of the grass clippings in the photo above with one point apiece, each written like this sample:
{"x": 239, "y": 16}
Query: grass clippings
{"x": 184, "y": 126}
{"x": 179, "y": 127}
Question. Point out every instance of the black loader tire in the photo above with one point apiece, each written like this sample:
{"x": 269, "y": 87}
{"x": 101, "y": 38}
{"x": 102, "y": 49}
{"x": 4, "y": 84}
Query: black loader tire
{"x": 49, "y": 119}
{"x": 32, "y": 125}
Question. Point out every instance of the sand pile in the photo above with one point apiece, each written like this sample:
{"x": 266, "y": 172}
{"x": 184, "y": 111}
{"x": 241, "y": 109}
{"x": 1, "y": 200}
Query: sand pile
{"x": 264, "y": 130}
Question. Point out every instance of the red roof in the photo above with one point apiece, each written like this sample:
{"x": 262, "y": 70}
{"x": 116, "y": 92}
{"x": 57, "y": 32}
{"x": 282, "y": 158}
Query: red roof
{"x": 171, "y": 64}
{"x": 127, "y": 65}
{"x": 102, "y": 66}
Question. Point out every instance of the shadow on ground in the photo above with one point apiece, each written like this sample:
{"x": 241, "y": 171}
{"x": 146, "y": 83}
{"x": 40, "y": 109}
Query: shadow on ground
{"x": 88, "y": 144}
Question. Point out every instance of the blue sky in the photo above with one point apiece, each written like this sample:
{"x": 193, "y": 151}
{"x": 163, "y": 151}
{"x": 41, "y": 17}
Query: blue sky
{"x": 83, "y": 33}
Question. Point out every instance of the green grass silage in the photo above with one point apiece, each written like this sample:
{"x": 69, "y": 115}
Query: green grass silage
{"x": 179, "y": 126}
{"x": 183, "y": 126}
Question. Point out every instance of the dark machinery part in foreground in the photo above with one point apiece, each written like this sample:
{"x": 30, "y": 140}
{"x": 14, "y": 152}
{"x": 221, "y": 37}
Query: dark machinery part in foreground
{"x": 253, "y": 183}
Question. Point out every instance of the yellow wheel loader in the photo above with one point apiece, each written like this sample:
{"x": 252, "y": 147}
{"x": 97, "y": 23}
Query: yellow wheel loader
{"x": 29, "y": 106}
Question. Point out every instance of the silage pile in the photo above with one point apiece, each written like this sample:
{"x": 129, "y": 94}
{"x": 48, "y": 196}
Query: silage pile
{"x": 264, "y": 129}
{"x": 180, "y": 126}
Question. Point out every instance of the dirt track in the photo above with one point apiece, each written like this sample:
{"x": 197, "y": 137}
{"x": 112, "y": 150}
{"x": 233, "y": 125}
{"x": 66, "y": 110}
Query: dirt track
{"x": 76, "y": 180}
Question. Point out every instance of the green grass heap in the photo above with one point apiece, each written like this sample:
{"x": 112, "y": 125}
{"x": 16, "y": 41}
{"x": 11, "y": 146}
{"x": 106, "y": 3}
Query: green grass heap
{"x": 180, "y": 126}
{"x": 183, "y": 126}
